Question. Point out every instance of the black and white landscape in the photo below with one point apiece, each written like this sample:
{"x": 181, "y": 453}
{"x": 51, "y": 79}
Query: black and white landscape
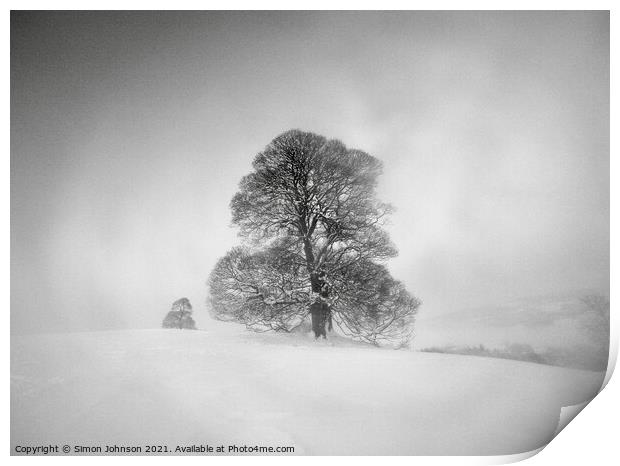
{"x": 350, "y": 233}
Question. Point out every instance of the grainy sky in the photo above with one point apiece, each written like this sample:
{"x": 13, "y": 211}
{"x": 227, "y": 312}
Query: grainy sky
{"x": 130, "y": 132}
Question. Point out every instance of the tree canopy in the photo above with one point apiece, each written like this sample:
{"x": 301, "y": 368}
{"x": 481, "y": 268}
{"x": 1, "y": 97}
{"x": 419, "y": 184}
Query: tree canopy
{"x": 180, "y": 316}
{"x": 314, "y": 235}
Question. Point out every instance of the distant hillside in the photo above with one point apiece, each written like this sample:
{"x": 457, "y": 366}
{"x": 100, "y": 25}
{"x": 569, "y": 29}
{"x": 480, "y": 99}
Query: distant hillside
{"x": 555, "y": 327}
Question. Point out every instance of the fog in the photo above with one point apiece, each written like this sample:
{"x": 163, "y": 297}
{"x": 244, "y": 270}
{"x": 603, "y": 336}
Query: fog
{"x": 131, "y": 131}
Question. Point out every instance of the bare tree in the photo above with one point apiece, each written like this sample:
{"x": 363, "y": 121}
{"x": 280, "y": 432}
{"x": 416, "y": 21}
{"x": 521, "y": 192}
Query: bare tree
{"x": 315, "y": 245}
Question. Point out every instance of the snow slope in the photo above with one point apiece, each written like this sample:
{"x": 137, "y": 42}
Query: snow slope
{"x": 225, "y": 385}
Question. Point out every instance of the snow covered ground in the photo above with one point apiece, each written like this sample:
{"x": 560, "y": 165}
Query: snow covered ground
{"x": 225, "y": 385}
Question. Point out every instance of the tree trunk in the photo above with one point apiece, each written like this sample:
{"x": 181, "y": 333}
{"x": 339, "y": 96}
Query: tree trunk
{"x": 320, "y": 310}
{"x": 321, "y": 314}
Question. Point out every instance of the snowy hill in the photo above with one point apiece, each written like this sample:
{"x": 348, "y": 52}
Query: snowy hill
{"x": 225, "y": 385}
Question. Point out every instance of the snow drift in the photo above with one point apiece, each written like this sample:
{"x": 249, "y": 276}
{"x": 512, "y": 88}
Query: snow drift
{"x": 225, "y": 385}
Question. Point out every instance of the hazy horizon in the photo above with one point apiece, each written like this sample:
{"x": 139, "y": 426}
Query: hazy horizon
{"x": 131, "y": 130}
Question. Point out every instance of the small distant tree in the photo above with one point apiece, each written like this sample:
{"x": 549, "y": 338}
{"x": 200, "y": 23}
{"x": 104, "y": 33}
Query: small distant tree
{"x": 315, "y": 246}
{"x": 180, "y": 316}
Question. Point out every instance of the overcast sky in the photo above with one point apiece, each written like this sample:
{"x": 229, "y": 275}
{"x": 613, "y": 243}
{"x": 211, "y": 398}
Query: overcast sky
{"x": 130, "y": 133}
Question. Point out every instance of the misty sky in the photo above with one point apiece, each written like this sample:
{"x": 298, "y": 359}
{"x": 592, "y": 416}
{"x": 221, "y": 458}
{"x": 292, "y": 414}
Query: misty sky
{"x": 131, "y": 131}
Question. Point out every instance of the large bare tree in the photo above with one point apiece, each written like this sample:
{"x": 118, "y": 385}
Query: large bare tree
{"x": 315, "y": 245}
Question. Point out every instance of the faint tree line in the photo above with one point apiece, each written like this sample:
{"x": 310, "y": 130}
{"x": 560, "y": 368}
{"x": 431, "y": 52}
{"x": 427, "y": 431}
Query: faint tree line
{"x": 595, "y": 323}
